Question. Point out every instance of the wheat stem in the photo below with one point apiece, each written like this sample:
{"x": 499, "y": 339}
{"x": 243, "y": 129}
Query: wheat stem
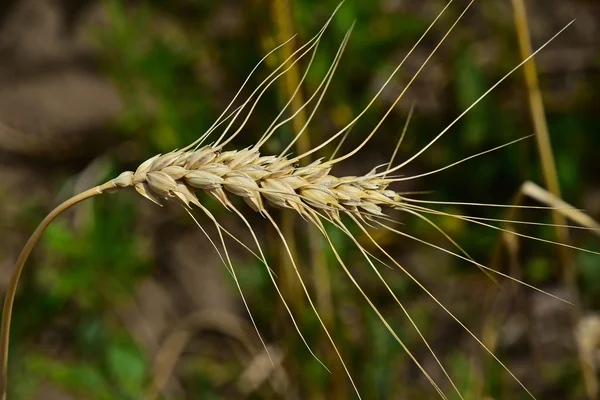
{"x": 11, "y": 291}
{"x": 549, "y": 172}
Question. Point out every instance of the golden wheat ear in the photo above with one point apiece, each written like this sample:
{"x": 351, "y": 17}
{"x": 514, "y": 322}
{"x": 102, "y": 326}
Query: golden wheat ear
{"x": 311, "y": 191}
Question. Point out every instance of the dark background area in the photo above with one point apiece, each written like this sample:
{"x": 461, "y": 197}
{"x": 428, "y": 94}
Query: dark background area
{"x": 121, "y": 291}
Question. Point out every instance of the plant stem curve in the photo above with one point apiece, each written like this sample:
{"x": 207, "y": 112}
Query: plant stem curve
{"x": 11, "y": 290}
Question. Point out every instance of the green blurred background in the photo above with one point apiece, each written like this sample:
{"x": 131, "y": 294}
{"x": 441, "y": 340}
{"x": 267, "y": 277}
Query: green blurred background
{"x": 122, "y": 293}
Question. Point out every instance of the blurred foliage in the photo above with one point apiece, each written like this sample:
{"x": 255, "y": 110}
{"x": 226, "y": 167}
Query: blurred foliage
{"x": 177, "y": 65}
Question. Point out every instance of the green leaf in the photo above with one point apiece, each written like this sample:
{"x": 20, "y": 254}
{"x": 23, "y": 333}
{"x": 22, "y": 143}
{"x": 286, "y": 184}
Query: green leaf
{"x": 127, "y": 367}
{"x": 77, "y": 377}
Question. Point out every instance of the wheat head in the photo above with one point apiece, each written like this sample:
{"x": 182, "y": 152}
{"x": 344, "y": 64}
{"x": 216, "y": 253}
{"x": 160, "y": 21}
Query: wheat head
{"x": 312, "y": 191}
{"x": 260, "y": 181}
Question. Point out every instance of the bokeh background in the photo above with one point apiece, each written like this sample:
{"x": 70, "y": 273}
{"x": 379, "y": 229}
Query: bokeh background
{"x": 122, "y": 297}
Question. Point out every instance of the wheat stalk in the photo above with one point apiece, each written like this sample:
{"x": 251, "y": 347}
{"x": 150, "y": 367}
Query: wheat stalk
{"x": 313, "y": 191}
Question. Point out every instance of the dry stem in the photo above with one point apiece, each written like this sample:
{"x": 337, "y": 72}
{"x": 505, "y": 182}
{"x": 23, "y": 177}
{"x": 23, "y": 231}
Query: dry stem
{"x": 16, "y": 274}
{"x": 544, "y": 146}
{"x": 284, "y": 24}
